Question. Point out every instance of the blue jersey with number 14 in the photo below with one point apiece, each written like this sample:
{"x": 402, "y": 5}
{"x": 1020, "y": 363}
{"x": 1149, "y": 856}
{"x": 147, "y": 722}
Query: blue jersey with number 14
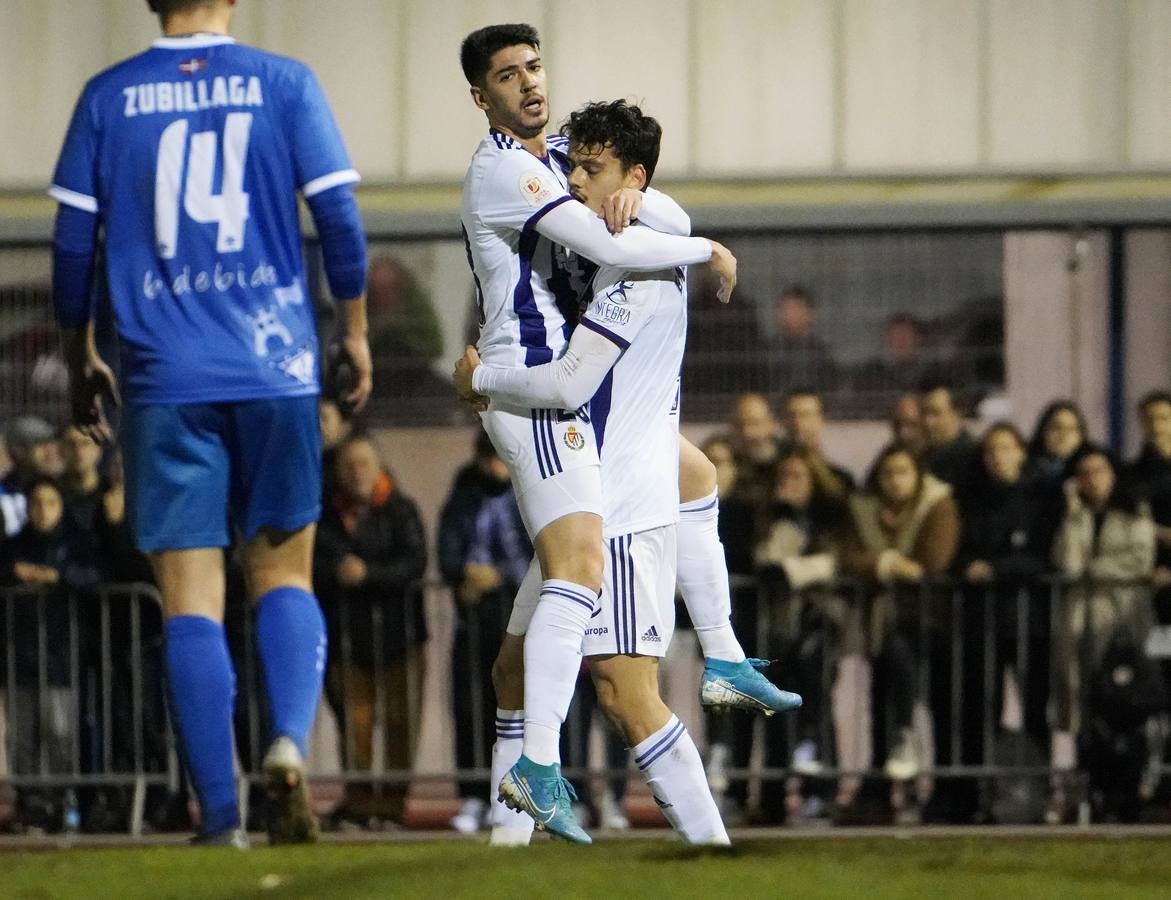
{"x": 192, "y": 154}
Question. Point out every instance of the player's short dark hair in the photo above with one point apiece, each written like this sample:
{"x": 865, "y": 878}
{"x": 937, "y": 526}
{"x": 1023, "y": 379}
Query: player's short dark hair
{"x": 167, "y": 8}
{"x": 478, "y": 48}
{"x": 631, "y": 136}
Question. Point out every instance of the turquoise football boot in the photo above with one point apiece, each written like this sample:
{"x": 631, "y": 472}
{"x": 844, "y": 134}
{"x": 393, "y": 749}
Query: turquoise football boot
{"x": 728, "y": 685}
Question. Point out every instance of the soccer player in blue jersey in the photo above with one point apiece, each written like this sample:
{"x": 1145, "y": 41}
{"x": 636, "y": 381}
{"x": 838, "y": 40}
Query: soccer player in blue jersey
{"x": 189, "y": 157}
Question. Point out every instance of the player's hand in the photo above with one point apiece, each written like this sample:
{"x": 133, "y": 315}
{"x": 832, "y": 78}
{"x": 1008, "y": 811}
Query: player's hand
{"x": 358, "y": 348}
{"x": 723, "y": 263}
{"x": 621, "y": 208}
{"x": 92, "y": 391}
{"x": 461, "y": 377}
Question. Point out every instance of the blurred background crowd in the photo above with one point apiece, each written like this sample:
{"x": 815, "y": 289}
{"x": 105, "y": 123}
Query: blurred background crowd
{"x": 978, "y": 622}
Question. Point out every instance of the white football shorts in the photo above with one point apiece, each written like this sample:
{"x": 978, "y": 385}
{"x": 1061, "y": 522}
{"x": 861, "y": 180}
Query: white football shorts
{"x": 638, "y": 595}
{"x": 553, "y": 460}
{"x": 636, "y": 613}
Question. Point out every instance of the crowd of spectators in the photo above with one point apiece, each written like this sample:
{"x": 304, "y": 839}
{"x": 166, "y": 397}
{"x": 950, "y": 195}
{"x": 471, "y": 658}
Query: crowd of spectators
{"x": 976, "y": 600}
{"x": 775, "y": 345}
{"x": 970, "y": 602}
{"x": 79, "y": 661}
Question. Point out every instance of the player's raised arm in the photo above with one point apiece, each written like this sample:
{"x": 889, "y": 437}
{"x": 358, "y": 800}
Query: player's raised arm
{"x": 571, "y": 224}
{"x": 565, "y": 383}
{"x": 574, "y": 226}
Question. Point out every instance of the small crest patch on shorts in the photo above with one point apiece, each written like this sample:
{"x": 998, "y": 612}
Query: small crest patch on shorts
{"x": 573, "y": 438}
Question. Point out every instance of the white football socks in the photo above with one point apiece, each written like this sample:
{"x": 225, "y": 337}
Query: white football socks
{"x": 552, "y": 663}
{"x": 509, "y": 828}
{"x": 674, "y": 772}
{"x": 702, "y": 578}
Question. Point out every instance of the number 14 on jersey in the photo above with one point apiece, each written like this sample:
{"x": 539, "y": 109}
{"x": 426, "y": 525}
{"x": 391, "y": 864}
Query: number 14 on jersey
{"x": 228, "y": 209}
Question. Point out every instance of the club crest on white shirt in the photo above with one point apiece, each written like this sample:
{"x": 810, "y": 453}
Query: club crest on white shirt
{"x": 573, "y": 438}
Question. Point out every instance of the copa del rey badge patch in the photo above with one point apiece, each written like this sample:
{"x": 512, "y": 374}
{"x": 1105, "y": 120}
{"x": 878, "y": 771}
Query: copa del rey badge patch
{"x": 573, "y": 438}
{"x": 535, "y": 189}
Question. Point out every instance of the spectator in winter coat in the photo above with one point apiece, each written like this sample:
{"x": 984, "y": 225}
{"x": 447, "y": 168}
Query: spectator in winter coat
{"x": 369, "y": 560}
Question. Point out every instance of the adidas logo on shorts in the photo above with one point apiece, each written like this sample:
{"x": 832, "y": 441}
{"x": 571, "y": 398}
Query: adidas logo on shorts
{"x": 651, "y": 635}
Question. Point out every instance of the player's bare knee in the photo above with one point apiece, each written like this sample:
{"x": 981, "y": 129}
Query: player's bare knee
{"x": 697, "y": 473}
{"x": 570, "y": 549}
{"x": 579, "y": 562}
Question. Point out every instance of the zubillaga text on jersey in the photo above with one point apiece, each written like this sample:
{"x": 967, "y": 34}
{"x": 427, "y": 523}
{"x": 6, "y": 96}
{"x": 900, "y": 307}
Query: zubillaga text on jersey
{"x": 188, "y": 96}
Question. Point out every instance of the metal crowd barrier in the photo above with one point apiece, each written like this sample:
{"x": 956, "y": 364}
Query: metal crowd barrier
{"x": 82, "y": 703}
{"x": 83, "y": 697}
{"x": 1071, "y": 621}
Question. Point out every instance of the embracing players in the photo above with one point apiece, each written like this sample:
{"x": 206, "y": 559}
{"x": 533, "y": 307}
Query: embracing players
{"x": 189, "y": 157}
{"x": 516, "y": 215}
{"x": 626, "y": 354}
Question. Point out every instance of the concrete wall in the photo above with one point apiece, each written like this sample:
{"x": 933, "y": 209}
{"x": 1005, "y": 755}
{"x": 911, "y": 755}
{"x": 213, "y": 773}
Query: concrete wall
{"x": 763, "y": 87}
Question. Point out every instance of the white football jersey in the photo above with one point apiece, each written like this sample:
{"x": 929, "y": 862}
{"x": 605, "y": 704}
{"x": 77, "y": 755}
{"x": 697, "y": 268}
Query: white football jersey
{"x": 526, "y": 301}
{"x": 635, "y": 413}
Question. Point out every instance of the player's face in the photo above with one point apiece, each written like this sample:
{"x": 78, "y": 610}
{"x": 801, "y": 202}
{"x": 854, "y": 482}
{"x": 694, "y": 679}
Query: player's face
{"x": 514, "y": 94}
{"x": 595, "y": 173}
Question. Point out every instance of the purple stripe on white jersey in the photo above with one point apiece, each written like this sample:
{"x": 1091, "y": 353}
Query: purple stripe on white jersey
{"x": 540, "y": 213}
{"x": 605, "y": 332}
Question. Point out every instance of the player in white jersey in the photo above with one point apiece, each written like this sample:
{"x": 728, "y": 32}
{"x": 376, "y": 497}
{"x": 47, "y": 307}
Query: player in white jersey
{"x": 515, "y": 211}
{"x": 626, "y": 356}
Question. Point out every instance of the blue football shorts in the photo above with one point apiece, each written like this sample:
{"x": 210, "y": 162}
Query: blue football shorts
{"x": 196, "y": 471}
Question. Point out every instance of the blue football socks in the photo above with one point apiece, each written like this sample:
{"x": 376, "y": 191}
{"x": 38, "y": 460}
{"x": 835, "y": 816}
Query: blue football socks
{"x": 201, "y": 685}
{"x": 290, "y": 637}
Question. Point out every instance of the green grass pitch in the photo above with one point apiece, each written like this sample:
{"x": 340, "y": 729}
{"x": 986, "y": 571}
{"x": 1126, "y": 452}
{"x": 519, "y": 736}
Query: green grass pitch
{"x": 1013, "y": 868}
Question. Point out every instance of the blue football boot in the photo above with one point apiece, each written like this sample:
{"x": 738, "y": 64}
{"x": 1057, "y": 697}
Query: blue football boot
{"x": 543, "y": 794}
{"x": 729, "y": 685}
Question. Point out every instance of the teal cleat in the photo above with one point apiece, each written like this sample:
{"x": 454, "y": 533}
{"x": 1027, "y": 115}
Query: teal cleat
{"x": 728, "y": 685}
{"x": 543, "y": 794}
